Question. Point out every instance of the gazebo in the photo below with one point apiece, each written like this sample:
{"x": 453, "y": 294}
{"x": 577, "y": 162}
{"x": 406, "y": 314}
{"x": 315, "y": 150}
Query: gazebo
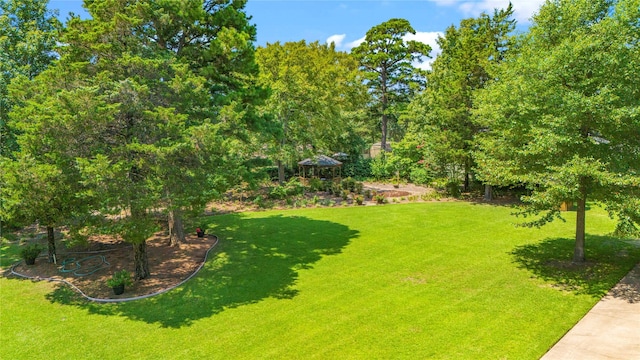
{"x": 320, "y": 162}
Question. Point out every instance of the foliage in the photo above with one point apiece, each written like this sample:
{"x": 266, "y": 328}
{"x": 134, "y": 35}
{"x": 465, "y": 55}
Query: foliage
{"x": 28, "y": 35}
{"x": 359, "y": 169}
{"x": 122, "y": 277}
{"x": 563, "y": 115}
{"x": 379, "y": 168}
{"x": 315, "y": 184}
{"x": 148, "y": 107}
{"x": 421, "y": 175}
{"x": 315, "y": 100}
{"x": 387, "y": 58}
{"x": 291, "y": 188}
{"x": 443, "y": 113}
{"x": 31, "y": 251}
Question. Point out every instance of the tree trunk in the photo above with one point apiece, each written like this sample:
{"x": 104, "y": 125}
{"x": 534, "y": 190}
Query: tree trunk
{"x": 141, "y": 260}
{"x": 384, "y": 125}
{"x": 578, "y": 252}
{"x": 488, "y": 192}
{"x": 51, "y": 244}
{"x": 467, "y": 175}
{"x": 281, "y": 178}
{"x": 176, "y": 228}
{"x": 383, "y": 140}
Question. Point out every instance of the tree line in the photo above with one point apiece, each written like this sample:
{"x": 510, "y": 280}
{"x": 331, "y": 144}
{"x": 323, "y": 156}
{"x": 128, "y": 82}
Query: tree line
{"x": 162, "y": 106}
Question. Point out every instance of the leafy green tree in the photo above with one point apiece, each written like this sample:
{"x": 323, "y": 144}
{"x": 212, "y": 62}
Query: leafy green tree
{"x": 28, "y": 33}
{"x": 316, "y": 97}
{"x": 215, "y": 39}
{"x": 174, "y": 86}
{"x": 563, "y": 115}
{"x": 443, "y": 112}
{"x": 387, "y": 59}
{"x": 42, "y": 182}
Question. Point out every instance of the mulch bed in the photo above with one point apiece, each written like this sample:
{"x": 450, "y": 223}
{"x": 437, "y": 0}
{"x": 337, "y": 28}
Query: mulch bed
{"x": 168, "y": 265}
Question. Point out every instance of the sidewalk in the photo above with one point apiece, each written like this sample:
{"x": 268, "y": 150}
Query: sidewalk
{"x": 611, "y": 330}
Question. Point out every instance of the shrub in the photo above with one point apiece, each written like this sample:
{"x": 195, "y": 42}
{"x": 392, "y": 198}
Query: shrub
{"x": 336, "y": 189}
{"x": 122, "y": 277}
{"x": 420, "y": 175}
{"x": 453, "y": 189}
{"x": 380, "y": 199}
{"x": 278, "y": 192}
{"x": 367, "y": 194}
{"x": 348, "y": 184}
{"x": 294, "y": 187}
{"x": 30, "y": 252}
{"x": 316, "y": 184}
{"x": 358, "y": 169}
{"x": 358, "y": 187}
{"x": 379, "y": 168}
{"x": 359, "y": 199}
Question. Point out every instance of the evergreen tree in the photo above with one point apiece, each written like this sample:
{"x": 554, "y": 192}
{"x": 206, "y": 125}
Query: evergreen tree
{"x": 387, "y": 59}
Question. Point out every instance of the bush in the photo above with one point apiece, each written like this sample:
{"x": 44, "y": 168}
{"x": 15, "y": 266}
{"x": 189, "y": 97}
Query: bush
{"x": 292, "y": 187}
{"x": 421, "y": 176}
{"x": 358, "y": 169}
{"x": 453, "y": 189}
{"x": 380, "y": 199}
{"x": 278, "y": 192}
{"x": 316, "y": 184}
{"x": 379, "y": 168}
{"x": 348, "y": 184}
{"x": 359, "y": 199}
{"x": 358, "y": 188}
{"x": 122, "y": 277}
{"x": 31, "y": 251}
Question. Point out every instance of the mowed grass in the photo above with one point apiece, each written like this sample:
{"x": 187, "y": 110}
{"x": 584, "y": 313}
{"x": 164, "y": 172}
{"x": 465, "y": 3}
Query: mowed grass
{"x": 415, "y": 281}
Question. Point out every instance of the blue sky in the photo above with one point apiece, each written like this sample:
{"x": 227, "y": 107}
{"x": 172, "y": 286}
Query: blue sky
{"x": 346, "y": 22}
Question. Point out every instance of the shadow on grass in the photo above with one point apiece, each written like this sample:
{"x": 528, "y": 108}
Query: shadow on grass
{"x": 255, "y": 259}
{"x": 608, "y": 259}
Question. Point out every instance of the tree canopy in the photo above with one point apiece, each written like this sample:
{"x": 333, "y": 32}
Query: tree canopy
{"x": 316, "y": 100}
{"x": 28, "y": 34}
{"x": 442, "y": 113}
{"x": 387, "y": 59}
{"x": 563, "y": 114}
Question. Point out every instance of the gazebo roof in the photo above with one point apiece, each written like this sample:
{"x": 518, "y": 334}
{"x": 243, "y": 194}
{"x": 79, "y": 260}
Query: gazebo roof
{"x": 320, "y": 161}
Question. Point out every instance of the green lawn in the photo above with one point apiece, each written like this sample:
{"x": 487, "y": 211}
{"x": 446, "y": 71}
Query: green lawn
{"x": 414, "y": 281}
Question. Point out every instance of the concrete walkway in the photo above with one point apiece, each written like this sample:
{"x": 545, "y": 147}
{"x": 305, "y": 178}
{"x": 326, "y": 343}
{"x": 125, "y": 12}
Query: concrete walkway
{"x": 611, "y": 330}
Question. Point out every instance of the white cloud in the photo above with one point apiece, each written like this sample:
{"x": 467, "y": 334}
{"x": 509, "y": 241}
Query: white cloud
{"x": 444, "y": 2}
{"x": 337, "y": 39}
{"x": 355, "y": 43}
{"x": 523, "y": 10}
{"x": 428, "y": 38}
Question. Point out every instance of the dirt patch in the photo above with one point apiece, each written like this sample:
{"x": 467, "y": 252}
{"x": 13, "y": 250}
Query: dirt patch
{"x": 168, "y": 265}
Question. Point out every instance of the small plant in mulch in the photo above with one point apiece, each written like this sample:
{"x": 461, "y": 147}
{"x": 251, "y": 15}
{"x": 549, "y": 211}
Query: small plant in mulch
{"x": 30, "y": 252}
{"x": 380, "y": 199}
{"x": 119, "y": 280}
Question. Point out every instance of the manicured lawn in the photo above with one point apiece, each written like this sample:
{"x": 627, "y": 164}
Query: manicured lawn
{"x": 415, "y": 281}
